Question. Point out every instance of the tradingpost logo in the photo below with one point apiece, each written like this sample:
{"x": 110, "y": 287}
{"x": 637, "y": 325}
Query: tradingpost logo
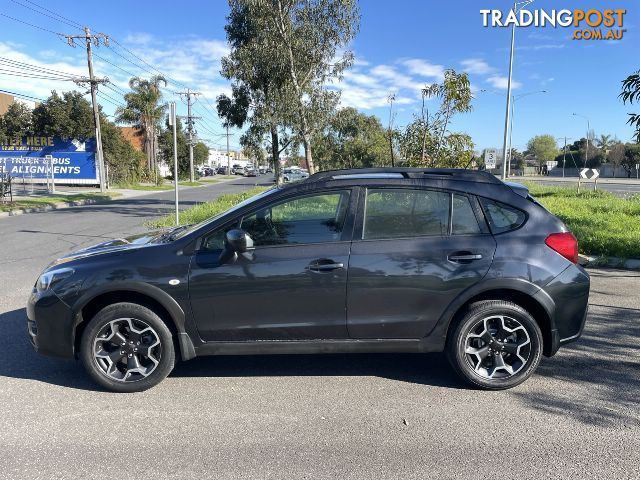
{"x": 592, "y": 24}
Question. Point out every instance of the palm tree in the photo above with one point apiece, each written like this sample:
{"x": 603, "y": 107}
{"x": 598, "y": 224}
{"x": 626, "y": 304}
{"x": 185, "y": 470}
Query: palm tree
{"x": 604, "y": 143}
{"x": 145, "y": 112}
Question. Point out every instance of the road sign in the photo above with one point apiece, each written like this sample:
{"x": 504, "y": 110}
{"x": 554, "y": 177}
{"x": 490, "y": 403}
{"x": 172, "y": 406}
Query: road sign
{"x": 490, "y": 155}
{"x": 584, "y": 173}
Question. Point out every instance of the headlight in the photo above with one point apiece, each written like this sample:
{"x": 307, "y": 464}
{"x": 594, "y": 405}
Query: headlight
{"x": 50, "y": 277}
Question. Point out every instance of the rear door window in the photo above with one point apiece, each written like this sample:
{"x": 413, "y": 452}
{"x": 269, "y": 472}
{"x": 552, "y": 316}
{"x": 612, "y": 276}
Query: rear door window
{"x": 463, "y": 218}
{"x": 394, "y": 213}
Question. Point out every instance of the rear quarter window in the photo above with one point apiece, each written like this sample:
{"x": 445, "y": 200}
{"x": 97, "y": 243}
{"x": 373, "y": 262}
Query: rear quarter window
{"x": 502, "y": 218}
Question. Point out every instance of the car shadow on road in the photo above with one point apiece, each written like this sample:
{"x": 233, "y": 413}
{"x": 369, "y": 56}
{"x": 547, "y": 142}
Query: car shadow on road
{"x": 596, "y": 379}
{"x": 19, "y": 360}
{"x": 425, "y": 369}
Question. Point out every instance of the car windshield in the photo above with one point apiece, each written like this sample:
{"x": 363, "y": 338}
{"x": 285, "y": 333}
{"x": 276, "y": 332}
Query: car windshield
{"x": 196, "y": 226}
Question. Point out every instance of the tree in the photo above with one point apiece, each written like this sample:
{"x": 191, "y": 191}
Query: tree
{"x": 260, "y": 90}
{"x": 604, "y": 143}
{"x": 616, "y": 155}
{"x": 145, "y": 112}
{"x": 66, "y": 116}
{"x": 351, "y": 140}
{"x": 17, "y": 121}
{"x": 165, "y": 146}
{"x": 631, "y": 158}
{"x": 125, "y": 164}
{"x": 631, "y": 93}
{"x": 310, "y": 34}
{"x": 427, "y": 140}
{"x": 200, "y": 153}
{"x": 544, "y": 148}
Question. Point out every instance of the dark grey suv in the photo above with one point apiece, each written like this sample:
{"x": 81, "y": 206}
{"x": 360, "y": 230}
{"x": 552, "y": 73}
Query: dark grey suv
{"x": 371, "y": 260}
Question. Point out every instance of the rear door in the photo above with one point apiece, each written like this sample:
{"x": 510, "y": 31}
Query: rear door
{"x": 414, "y": 251}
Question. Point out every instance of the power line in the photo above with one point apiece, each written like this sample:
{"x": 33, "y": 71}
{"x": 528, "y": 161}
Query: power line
{"x": 15, "y": 94}
{"x": 114, "y": 65}
{"x": 31, "y": 24}
{"x": 27, "y": 66}
{"x": 54, "y": 13}
{"x": 62, "y": 20}
{"x": 13, "y": 73}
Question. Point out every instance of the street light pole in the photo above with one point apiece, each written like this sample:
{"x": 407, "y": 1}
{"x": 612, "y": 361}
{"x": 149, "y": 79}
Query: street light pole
{"x": 507, "y": 117}
{"x": 513, "y": 101}
{"x": 586, "y": 154}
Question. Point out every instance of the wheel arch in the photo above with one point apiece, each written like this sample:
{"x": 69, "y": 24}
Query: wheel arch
{"x": 143, "y": 294}
{"x": 525, "y": 294}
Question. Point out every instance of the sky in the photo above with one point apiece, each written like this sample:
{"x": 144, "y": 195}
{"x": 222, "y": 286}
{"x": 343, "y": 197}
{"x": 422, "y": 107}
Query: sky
{"x": 401, "y": 46}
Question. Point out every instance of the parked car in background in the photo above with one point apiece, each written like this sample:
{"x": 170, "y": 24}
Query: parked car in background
{"x": 206, "y": 171}
{"x": 237, "y": 169}
{"x": 262, "y": 170}
{"x": 381, "y": 260}
{"x": 223, "y": 171}
{"x": 294, "y": 175}
{"x": 250, "y": 172}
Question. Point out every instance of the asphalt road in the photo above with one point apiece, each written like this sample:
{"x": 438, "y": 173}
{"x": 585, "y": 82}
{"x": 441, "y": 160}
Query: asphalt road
{"x": 358, "y": 416}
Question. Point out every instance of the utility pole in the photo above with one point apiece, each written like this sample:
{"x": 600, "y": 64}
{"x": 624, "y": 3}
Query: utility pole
{"x": 89, "y": 39}
{"x": 228, "y": 157}
{"x": 507, "y": 116}
{"x": 390, "y": 99}
{"x": 172, "y": 122}
{"x": 190, "y": 130}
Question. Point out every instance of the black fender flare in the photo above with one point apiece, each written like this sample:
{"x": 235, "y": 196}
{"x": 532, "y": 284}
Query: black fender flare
{"x": 167, "y": 301}
{"x": 533, "y": 291}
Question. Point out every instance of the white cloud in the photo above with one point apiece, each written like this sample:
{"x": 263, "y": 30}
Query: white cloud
{"x": 499, "y": 81}
{"x": 423, "y": 68}
{"x": 476, "y": 66}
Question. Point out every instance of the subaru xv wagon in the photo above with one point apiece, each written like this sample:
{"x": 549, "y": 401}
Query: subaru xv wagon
{"x": 369, "y": 260}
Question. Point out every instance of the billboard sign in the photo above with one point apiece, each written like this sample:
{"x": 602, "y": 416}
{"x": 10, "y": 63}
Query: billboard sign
{"x": 31, "y": 158}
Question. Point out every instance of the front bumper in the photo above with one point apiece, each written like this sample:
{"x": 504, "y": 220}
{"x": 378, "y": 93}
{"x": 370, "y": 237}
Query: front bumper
{"x": 50, "y": 324}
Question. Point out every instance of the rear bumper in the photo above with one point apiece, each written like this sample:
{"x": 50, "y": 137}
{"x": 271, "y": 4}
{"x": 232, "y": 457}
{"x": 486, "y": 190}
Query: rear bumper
{"x": 49, "y": 325}
{"x": 569, "y": 292}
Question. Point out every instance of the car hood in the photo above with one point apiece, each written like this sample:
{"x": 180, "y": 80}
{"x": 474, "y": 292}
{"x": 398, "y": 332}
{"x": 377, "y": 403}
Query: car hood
{"x": 115, "y": 245}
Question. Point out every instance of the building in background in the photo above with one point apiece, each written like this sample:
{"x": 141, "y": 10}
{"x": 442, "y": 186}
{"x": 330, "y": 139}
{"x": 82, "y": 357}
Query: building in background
{"x": 6, "y": 100}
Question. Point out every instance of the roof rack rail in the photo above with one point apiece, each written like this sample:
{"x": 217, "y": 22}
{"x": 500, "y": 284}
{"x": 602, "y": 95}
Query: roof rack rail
{"x": 404, "y": 172}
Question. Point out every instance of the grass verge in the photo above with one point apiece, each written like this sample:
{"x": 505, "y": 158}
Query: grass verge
{"x": 54, "y": 200}
{"x": 155, "y": 188}
{"x": 206, "y": 210}
{"x": 604, "y": 224}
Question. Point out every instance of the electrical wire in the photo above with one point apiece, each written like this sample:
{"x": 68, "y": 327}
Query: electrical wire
{"x": 46, "y": 14}
{"x": 31, "y": 25}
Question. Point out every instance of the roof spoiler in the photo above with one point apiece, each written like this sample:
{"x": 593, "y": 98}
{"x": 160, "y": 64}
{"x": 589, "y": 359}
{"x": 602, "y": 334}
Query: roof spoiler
{"x": 519, "y": 188}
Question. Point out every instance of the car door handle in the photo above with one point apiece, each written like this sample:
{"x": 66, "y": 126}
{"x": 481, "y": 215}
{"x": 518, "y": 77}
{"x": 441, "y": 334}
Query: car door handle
{"x": 464, "y": 257}
{"x": 325, "y": 267}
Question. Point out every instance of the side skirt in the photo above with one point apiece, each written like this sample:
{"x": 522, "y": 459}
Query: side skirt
{"x": 284, "y": 347}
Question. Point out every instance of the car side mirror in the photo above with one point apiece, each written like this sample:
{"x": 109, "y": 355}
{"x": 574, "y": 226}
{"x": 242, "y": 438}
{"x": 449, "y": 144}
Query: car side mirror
{"x": 237, "y": 242}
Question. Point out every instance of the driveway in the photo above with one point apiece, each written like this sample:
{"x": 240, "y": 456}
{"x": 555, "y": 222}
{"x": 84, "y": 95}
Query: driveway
{"x": 335, "y": 416}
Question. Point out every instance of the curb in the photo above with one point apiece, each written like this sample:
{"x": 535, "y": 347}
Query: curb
{"x": 609, "y": 262}
{"x": 47, "y": 208}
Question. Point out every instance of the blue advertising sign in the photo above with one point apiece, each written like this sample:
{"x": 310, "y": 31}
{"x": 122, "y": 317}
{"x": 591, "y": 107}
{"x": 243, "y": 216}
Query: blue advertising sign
{"x": 73, "y": 161}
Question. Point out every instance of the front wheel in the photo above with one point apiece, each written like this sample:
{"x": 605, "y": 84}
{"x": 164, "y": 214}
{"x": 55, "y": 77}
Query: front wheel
{"x": 127, "y": 347}
{"x": 496, "y": 345}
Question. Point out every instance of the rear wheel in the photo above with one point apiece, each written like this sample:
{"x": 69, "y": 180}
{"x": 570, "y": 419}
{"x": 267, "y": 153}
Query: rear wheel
{"x": 127, "y": 347}
{"x": 496, "y": 345}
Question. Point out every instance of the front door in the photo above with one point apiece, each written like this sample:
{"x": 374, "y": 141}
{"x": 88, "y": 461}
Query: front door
{"x": 418, "y": 249}
{"x": 292, "y": 287}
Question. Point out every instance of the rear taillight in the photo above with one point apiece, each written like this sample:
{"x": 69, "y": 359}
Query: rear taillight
{"x": 565, "y": 244}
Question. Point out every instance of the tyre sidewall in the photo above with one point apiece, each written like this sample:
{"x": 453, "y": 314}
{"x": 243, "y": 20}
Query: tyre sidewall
{"x": 456, "y": 348}
{"x": 127, "y": 310}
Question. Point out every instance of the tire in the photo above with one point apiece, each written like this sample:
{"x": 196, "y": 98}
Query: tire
{"x": 490, "y": 334}
{"x": 126, "y": 348}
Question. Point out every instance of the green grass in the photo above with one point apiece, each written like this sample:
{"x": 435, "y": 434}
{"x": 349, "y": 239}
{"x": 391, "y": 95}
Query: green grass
{"x": 207, "y": 210}
{"x": 604, "y": 224}
{"x": 54, "y": 200}
{"x": 155, "y": 188}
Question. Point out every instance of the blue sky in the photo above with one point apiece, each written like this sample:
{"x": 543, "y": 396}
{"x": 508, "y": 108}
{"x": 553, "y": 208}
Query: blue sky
{"x": 402, "y": 45}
